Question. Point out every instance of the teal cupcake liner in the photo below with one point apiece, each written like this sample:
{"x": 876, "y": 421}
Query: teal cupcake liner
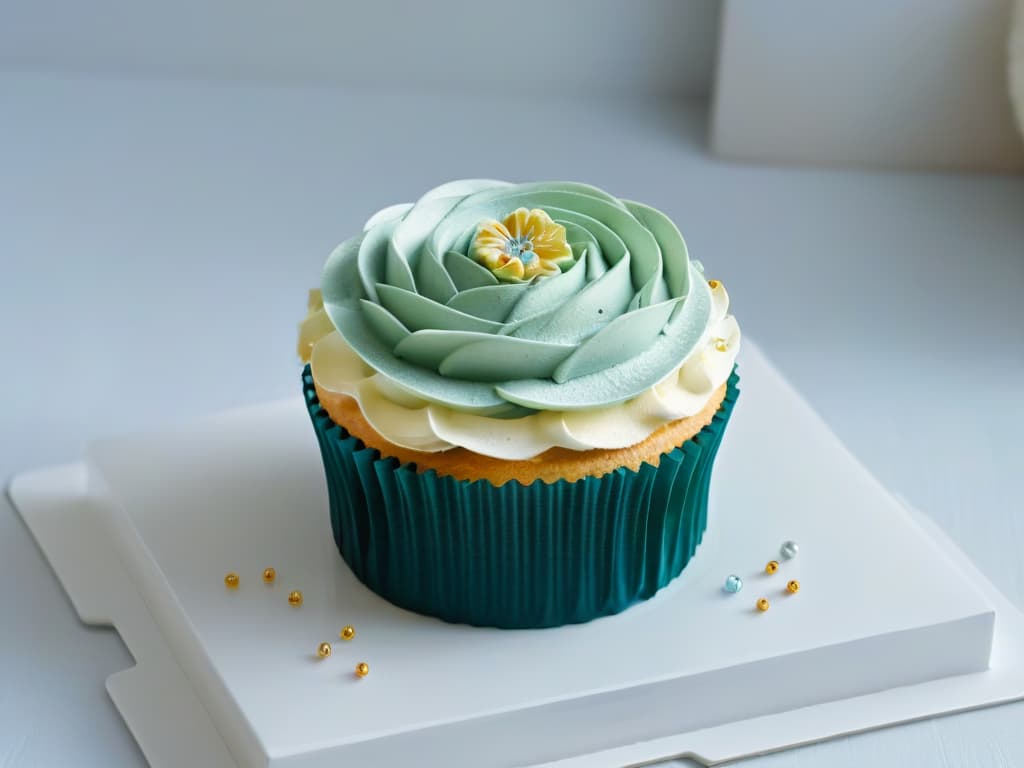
{"x": 515, "y": 556}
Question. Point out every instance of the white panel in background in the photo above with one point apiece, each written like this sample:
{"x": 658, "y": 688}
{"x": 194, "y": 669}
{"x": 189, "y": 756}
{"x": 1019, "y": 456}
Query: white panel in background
{"x": 921, "y": 83}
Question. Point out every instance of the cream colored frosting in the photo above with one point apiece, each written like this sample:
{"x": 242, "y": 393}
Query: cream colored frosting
{"x": 417, "y": 424}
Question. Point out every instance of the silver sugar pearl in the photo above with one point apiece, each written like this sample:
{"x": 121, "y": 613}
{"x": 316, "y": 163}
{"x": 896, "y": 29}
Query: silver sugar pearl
{"x": 789, "y": 550}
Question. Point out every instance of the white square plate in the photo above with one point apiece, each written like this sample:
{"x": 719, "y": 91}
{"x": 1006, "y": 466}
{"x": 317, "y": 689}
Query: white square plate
{"x": 891, "y": 624}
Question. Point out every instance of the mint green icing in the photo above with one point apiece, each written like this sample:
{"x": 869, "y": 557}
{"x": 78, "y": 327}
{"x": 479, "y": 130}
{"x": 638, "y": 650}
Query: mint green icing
{"x": 415, "y": 307}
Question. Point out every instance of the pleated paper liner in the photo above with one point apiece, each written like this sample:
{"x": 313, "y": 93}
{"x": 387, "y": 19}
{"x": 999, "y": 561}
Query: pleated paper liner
{"x": 516, "y": 556}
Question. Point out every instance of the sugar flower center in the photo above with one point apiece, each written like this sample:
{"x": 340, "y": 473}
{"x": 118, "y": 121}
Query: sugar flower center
{"x": 525, "y": 245}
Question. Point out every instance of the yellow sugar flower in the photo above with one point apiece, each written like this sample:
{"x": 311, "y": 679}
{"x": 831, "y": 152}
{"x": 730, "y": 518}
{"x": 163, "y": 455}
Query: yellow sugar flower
{"x": 527, "y": 244}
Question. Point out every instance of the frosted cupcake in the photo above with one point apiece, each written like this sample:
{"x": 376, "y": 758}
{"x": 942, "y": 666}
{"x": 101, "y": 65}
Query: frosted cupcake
{"x": 518, "y": 390}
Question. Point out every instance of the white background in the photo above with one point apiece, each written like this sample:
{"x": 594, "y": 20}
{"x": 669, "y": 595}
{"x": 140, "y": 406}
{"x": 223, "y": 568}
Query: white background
{"x": 529, "y": 45}
{"x": 158, "y": 234}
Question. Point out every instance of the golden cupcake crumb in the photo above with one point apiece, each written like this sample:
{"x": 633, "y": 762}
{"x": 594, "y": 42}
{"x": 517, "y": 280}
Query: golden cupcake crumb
{"x": 552, "y": 466}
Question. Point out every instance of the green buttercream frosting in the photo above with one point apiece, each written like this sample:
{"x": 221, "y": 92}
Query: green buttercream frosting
{"x": 411, "y": 301}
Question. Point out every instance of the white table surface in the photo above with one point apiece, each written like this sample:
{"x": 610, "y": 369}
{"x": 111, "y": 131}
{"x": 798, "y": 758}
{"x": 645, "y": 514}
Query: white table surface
{"x": 157, "y": 240}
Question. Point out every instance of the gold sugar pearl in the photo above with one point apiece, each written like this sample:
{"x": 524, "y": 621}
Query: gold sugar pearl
{"x": 347, "y": 632}
{"x": 269, "y": 575}
{"x": 772, "y": 567}
{"x": 231, "y": 580}
{"x": 712, "y": 284}
{"x": 763, "y": 604}
{"x": 721, "y": 345}
{"x": 793, "y": 587}
{"x": 323, "y": 650}
{"x": 362, "y": 669}
{"x": 295, "y": 598}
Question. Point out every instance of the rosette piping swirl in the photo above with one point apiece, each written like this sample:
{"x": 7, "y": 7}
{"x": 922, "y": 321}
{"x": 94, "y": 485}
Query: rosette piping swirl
{"x": 625, "y": 311}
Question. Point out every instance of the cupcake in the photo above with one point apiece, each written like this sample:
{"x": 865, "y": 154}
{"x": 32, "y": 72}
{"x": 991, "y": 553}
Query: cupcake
{"x": 518, "y": 392}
